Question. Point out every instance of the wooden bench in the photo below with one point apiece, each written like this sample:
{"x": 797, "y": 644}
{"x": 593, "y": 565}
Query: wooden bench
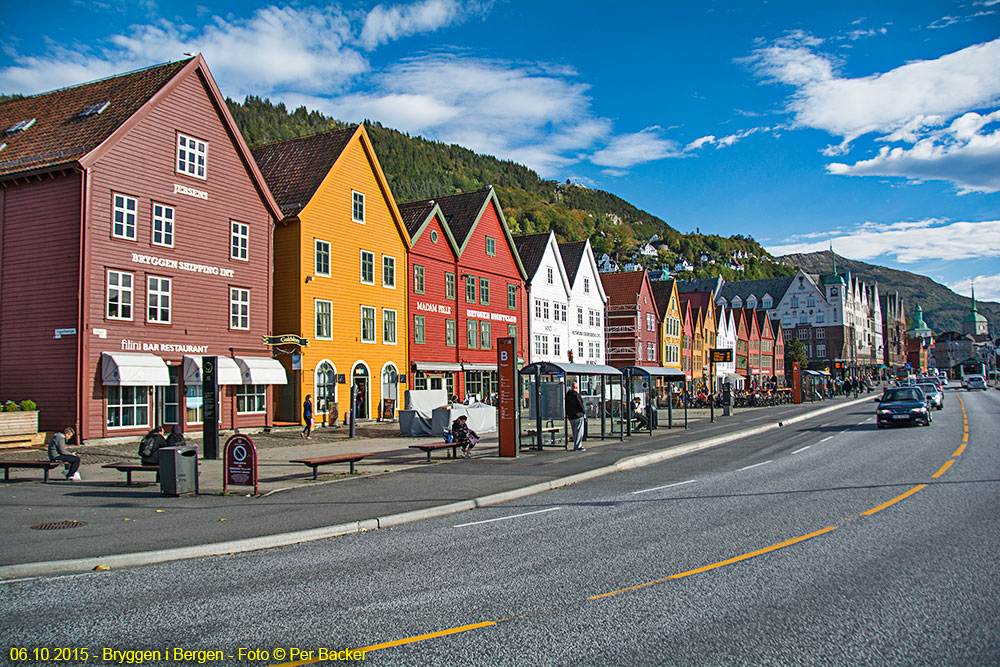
{"x": 128, "y": 467}
{"x": 548, "y": 429}
{"x": 318, "y": 461}
{"x": 46, "y": 466}
{"x": 436, "y": 446}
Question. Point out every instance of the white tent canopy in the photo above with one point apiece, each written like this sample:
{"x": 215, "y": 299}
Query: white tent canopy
{"x": 133, "y": 369}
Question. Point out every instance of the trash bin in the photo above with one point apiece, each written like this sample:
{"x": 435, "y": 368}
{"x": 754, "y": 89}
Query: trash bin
{"x": 178, "y": 470}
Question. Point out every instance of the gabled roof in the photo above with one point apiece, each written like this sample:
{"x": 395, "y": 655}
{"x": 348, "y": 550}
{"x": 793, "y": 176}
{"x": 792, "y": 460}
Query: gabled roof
{"x": 697, "y": 299}
{"x": 531, "y": 248}
{"x": 295, "y": 168}
{"x": 572, "y": 255}
{"x": 60, "y": 135}
{"x": 776, "y": 287}
{"x": 662, "y": 291}
{"x": 623, "y": 288}
{"x": 713, "y": 285}
{"x": 418, "y": 215}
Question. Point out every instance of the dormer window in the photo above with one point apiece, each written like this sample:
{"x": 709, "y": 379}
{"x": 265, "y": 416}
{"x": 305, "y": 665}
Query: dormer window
{"x": 752, "y": 302}
{"x": 20, "y": 126}
{"x": 94, "y": 109}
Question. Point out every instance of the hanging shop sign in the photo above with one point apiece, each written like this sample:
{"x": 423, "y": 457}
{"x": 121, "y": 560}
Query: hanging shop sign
{"x": 286, "y": 339}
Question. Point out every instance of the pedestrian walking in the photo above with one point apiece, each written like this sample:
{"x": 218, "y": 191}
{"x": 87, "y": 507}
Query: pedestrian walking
{"x": 307, "y": 417}
{"x": 464, "y": 435}
{"x": 576, "y": 412}
{"x": 58, "y": 452}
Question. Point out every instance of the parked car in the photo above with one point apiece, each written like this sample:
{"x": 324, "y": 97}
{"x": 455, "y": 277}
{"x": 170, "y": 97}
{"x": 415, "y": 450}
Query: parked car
{"x": 934, "y": 394}
{"x": 902, "y": 405}
{"x": 975, "y": 382}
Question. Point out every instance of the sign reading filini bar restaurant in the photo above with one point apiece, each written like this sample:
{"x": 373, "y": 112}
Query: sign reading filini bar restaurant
{"x": 129, "y": 345}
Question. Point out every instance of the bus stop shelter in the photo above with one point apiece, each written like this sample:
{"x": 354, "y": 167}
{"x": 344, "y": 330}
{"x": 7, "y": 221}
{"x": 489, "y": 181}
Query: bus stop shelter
{"x": 543, "y": 387}
{"x": 651, "y": 384}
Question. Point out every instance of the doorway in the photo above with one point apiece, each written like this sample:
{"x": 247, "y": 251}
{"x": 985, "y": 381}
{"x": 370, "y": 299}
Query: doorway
{"x": 360, "y": 378}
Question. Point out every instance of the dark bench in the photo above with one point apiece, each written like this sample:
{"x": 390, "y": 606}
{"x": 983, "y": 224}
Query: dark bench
{"x": 436, "y": 446}
{"x": 318, "y": 461}
{"x": 46, "y": 466}
{"x": 129, "y": 467}
{"x": 552, "y": 430}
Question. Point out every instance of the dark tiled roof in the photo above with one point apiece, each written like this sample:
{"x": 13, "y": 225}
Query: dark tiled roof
{"x": 461, "y": 212}
{"x": 662, "y": 289}
{"x": 623, "y": 288}
{"x": 776, "y": 287}
{"x": 572, "y": 255}
{"x": 60, "y": 135}
{"x": 696, "y": 299}
{"x": 712, "y": 285}
{"x": 294, "y": 169}
{"x": 531, "y": 248}
{"x": 414, "y": 214}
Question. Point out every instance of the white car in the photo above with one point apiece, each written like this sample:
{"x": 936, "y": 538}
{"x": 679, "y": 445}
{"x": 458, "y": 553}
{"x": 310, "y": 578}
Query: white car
{"x": 974, "y": 382}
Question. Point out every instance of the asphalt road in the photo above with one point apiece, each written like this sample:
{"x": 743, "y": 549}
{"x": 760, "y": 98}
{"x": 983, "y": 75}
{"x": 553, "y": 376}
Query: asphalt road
{"x": 828, "y": 542}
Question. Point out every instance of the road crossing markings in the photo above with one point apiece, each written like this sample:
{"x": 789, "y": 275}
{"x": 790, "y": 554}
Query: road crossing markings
{"x": 505, "y": 518}
{"x": 762, "y": 463}
{"x": 801, "y": 449}
{"x": 666, "y": 486}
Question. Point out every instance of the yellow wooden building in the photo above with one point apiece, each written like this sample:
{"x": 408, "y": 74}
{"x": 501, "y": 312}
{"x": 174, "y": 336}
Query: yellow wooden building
{"x": 671, "y": 326}
{"x": 339, "y": 275}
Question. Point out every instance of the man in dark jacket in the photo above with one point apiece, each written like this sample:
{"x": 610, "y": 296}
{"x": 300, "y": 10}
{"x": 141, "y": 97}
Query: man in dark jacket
{"x": 576, "y": 412}
{"x": 150, "y": 445}
{"x": 58, "y": 452}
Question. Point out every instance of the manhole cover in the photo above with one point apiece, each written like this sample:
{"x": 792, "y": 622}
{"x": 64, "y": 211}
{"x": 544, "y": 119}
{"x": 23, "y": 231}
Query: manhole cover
{"x": 59, "y": 525}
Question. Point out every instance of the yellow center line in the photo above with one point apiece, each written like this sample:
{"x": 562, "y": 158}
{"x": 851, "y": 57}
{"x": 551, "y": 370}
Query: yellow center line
{"x": 958, "y": 452}
{"x": 947, "y": 464}
{"x": 895, "y": 500}
{"x": 965, "y": 437}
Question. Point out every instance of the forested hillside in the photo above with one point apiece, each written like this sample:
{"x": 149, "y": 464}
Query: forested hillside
{"x": 421, "y": 169}
{"x": 943, "y": 309}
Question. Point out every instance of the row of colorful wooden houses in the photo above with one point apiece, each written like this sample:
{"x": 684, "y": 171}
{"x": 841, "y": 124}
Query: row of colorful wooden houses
{"x": 140, "y": 234}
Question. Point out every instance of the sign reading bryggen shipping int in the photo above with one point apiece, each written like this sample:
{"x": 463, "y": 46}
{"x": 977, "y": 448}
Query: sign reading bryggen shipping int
{"x": 286, "y": 339}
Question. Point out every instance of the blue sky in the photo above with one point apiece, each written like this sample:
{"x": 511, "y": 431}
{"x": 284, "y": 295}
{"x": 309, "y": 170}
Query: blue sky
{"x": 874, "y": 126}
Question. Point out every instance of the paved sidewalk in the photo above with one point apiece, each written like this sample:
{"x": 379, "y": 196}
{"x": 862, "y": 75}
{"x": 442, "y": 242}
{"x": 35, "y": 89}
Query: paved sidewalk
{"x": 392, "y": 486}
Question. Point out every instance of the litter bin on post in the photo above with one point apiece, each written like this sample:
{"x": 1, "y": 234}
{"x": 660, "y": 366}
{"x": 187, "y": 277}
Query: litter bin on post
{"x": 178, "y": 470}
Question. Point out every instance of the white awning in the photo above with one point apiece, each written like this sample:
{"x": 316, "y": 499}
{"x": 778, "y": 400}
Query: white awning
{"x": 227, "y": 372}
{"x": 262, "y": 370}
{"x": 437, "y": 366}
{"x": 133, "y": 369}
{"x": 479, "y": 367}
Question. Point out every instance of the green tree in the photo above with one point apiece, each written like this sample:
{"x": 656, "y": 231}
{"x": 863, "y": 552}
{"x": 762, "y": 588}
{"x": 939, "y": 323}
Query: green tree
{"x": 795, "y": 350}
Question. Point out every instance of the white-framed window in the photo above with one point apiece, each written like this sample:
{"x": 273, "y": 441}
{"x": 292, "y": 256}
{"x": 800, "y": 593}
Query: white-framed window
{"x": 545, "y": 310}
{"x": 123, "y": 216}
{"x": 239, "y": 247}
{"x": 803, "y": 317}
{"x": 163, "y": 225}
{"x": 556, "y": 345}
{"x": 551, "y": 274}
{"x": 491, "y": 246}
{"x": 752, "y": 302}
{"x": 367, "y": 324}
{"x": 388, "y": 271}
{"x": 820, "y": 316}
{"x": 820, "y": 333}
{"x": 158, "y": 300}
{"x": 367, "y": 267}
{"x": 321, "y": 258}
{"x": 810, "y": 301}
{"x": 579, "y": 349}
{"x": 794, "y": 302}
{"x": 766, "y": 303}
{"x": 472, "y": 334}
{"x": 538, "y": 308}
{"x": 119, "y": 295}
{"x": 127, "y": 406}
{"x": 561, "y": 312}
{"x": 650, "y": 351}
{"x": 650, "y": 322}
{"x": 591, "y": 320}
{"x": 820, "y": 350}
{"x": 251, "y": 399}
{"x": 357, "y": 207}
{"x": 239, "y": 308}
{"x": 450, "y": 333}
{"x": 192, "y": 156}
{"x": 388, "y": 326}
{"x": 485, "y": 336}
{"x": 193, "y": 403}
{"x": 579, "y": 316}
{"x": 586, "y": 285}
{"x": 324, "y": 319}
{"x": 541, "y": 344}
{"x": 325, "y": 386}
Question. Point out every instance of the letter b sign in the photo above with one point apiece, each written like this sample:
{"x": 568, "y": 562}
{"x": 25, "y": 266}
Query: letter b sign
{"x": 503, "y": 355}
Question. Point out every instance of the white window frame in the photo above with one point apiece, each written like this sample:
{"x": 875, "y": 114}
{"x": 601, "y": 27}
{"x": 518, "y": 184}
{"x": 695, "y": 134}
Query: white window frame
{"x": 129, "y": 216}
{"x": 361, "y": 267}
{"x": 163, "y": 225}
{"x": 239, "y": 241}
{"x": 586, "y": 285}
{"x": 120, "y": 290}
{"x": 385, "y": 322}
{"x": 159, "y": 295}
{"x": 316, "y": 316}
{"x": 357, "y": 203}
{"x": 321, "y": 248}
{"x": 192, "y": 156}
{"x": 139, "y": 402}
{"x": 239, "y": 308}
{"x": 255, "y": 394}
{"x": 550, "y": 275}
{"x": 389, "y": 269}
{"x": 491, "y": 246}
{"x": 374, "y": 321}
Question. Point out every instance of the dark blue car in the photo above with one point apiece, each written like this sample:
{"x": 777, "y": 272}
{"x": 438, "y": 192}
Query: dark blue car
{"x": 902, "y": 405}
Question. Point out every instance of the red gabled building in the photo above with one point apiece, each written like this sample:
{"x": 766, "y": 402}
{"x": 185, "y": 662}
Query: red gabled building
{"x": 766, "y": 347}
{"x": 135, "y": 238}
{"x": 753, "y": 358}
{"x": 742, "y": 342}
{"x": 631, "y": 327}
{"x": 779, "y": 352}
{"x": 687, "y": 342}
{"x": 466, "y": 290}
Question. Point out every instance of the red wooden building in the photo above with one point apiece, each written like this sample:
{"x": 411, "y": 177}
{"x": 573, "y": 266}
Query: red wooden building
{"x": 135, "y": 232}
{"x": 631, "y": 326}
{"x": 466, "y": 289}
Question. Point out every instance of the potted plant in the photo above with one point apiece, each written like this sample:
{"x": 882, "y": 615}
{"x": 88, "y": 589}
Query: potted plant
{"x": 18, "y": 418}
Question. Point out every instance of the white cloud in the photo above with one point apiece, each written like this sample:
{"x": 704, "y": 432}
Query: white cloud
{"x": 987, "y": 287}
{"x": 628, "y": 150}
{"x": 385, "y": 24}
{"x": 908, "y": 242}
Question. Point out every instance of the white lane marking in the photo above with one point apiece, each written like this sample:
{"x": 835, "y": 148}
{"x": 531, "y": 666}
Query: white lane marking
{"x": 801, "y": 449}
{"x": 829, "y": 437}
{"x": 763, "y": 463}
{"x": 666, "y": 486}
{"x": 504, "y": 518}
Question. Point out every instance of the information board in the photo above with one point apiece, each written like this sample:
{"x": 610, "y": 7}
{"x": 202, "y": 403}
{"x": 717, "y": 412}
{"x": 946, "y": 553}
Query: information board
{"x": 507, "y": 395}
{"x": 240, "y": 463}
{"x": 210, "y": 407}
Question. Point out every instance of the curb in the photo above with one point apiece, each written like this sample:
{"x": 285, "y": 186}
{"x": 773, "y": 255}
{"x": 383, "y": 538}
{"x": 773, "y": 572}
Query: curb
{"x": 80, "y": 565}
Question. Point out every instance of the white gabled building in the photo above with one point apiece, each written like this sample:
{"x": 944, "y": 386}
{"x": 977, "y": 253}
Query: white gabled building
{"x": 548, "y": 297}
{"x": 587, "y": 303}
{"x": 725, "y": 338}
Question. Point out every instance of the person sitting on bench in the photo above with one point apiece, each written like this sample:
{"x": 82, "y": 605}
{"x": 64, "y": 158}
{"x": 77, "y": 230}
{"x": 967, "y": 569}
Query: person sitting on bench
{"x": 58, "y": 452}
{"x": 150, "y": 444}
{"x": 637, "y": 415}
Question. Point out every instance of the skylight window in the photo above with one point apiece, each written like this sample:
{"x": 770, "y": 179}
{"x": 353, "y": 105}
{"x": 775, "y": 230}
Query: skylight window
{"x": 94, "y": 109}
{"x": 20, "y": 126}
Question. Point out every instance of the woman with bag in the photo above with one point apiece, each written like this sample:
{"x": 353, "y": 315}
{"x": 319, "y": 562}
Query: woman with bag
{"x": 307, "y": 417}
{"x": 464, "y": 435}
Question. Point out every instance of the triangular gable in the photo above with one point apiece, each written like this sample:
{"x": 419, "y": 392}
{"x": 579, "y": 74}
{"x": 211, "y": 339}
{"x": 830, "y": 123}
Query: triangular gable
{"x": 428, "y": 217}
{"x": 647, "y": 285}
{"x": 491, "y": 198}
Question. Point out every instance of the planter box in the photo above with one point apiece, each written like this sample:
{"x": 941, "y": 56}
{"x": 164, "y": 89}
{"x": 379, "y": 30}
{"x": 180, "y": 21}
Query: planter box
{"x": 18, "y": 423}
